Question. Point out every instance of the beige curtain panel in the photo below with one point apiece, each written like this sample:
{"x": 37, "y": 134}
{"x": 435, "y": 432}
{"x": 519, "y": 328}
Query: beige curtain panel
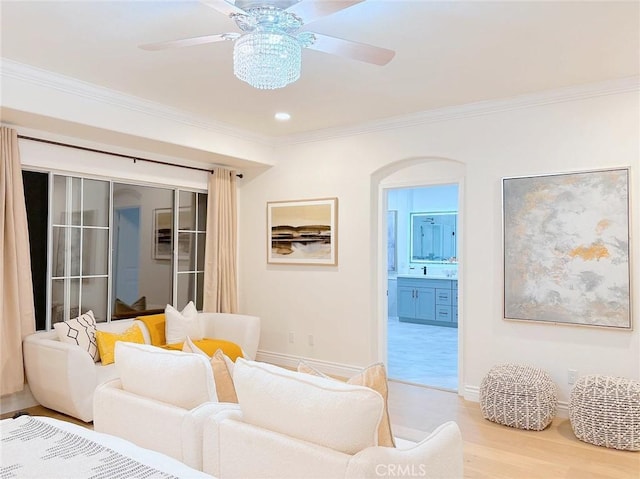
{"x": 220, "y": 267}
{"x": 16, "y": 295}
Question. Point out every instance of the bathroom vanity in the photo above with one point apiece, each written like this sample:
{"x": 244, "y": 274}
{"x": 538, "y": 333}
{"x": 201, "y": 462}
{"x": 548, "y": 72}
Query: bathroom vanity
{"x": 428, "y": 300}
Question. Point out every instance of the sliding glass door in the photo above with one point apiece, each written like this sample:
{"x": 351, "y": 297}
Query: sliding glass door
{"x": 118, "y": 249}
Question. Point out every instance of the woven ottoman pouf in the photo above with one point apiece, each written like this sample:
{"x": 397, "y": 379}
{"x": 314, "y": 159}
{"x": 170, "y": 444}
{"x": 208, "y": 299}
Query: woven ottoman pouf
{"x": 518, "y": 396}
{"x": 605, "y": 411}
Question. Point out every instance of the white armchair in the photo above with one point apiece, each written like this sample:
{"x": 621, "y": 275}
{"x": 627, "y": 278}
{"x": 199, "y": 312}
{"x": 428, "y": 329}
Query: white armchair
{"x": 159, "y": 402}
{"x": 296, "y": 426}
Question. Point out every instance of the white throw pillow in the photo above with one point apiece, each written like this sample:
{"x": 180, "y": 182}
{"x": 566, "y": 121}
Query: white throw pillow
{"x": 322, "y": 411}
{"x": 184, "y": 380}
{"x": 80, "y": 331}
{"x": 180, "y": 324}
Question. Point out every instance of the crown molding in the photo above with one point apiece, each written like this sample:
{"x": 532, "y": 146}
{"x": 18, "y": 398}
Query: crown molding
{"x": 72, "y": 86}
{"x": 469, "y": 110}
{"x": 37, "y": 76}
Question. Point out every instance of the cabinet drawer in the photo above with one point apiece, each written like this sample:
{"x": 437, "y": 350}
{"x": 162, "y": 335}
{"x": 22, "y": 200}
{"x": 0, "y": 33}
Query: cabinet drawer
{"x": 443, "y": 296}
{"x": 443, "y": 313}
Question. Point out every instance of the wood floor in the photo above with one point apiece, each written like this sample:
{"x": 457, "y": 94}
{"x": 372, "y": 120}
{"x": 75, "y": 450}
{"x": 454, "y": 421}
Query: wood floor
{"x": 492, "y": 451}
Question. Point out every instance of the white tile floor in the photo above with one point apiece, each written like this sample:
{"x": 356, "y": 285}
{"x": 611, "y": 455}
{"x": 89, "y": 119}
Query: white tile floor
{"x": 422, "y": 354}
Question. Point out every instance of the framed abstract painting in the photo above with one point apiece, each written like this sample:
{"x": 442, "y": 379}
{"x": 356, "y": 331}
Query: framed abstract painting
{"x": 566, "y": 248}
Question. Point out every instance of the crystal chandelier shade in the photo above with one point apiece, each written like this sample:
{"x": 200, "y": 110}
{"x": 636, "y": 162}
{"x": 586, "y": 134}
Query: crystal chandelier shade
{"x": 267, "y": 60}
{"x": 269, "y": 54}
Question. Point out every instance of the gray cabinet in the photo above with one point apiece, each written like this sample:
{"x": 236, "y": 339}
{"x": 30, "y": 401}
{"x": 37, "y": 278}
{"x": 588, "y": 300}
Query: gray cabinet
{"x": 428, "y": 301}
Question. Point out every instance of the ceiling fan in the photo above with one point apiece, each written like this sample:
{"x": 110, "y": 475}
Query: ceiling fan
{"x": 267, "y": 54}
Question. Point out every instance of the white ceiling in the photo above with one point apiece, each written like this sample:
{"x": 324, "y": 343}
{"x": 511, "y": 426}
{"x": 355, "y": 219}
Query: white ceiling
{"x": 447, "y": 53}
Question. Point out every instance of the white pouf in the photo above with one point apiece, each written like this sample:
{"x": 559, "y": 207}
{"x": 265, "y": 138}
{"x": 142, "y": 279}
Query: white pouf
{"x": 605, "y": 411}
{"x": 518, "y": 396}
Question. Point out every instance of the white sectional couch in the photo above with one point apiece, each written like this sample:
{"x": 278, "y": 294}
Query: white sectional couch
{"x": 63, "y": 377}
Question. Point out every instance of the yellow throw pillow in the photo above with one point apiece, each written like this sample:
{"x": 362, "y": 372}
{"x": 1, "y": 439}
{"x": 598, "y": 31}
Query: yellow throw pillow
{"x": 107, "y": 342}
{"x": 374, "y": 377}
{"x": 210, "y": 346}
{"x": 155, "y": 323}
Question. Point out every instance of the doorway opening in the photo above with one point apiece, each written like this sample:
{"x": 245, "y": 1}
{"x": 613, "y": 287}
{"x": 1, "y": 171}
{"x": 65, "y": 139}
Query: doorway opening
{"x": 127, "y": 260}
{"x": 422, "y": 285}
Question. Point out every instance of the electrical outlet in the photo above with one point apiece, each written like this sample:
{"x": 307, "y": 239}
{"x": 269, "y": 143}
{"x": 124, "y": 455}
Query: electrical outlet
{"x": 311, "y": 340}
{"x": 572, "y": 376}
{"x": 291, "y": 337}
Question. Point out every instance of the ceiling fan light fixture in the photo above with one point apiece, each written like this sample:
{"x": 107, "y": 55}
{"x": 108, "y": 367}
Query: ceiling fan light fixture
{"x": 267, "y": 60}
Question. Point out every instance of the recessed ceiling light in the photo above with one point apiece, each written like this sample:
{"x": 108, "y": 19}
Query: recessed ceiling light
{"x": 282, "y": 116}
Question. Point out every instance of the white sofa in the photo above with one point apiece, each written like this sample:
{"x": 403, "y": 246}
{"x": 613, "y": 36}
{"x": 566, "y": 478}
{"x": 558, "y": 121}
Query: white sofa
{"x": 159, "y": 401}
{"x": 292, "y": 425}
{"x": 63, "y": 377}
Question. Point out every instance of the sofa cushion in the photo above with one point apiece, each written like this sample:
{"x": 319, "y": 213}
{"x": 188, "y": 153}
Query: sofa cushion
{"x": 80, "y": 331}
{"x": 146, "y": 370}
{"x": 107, "y": 341}
{"x": 322, "y": 411}
{"x": 374, "y": 377}
{"x": 225, "y": 390}
{"x": 180, "y": 324}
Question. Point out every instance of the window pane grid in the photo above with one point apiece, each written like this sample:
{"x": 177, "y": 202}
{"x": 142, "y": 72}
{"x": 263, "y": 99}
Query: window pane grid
{"x": 80, "y": 269}
{"x": 190, "y": 242}
{"x": 81, "y": 222}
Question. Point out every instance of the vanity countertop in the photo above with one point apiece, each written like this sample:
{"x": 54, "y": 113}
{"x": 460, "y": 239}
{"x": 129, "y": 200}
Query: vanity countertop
{"x": 428, "y": 276}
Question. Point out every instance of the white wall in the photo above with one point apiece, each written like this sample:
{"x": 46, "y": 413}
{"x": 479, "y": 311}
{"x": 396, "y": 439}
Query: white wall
{"x": 341, "y": 306}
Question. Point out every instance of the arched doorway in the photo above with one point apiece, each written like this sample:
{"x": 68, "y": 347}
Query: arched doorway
{"x": 415, "y": 175}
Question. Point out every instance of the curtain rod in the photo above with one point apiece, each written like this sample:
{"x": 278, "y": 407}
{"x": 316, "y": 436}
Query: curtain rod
{"x": 134, "y": 158}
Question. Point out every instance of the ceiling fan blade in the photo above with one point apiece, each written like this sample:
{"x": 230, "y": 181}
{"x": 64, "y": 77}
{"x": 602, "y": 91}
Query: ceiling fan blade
{"x": 353, "y": 50}
{"x": 223, "y": 7}
{"x": 311, "y": 10}
{"x": 188, "y": 42}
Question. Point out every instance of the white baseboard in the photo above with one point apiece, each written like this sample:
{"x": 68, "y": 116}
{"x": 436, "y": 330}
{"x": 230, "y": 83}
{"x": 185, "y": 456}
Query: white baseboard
{"x": 470, "y": 393}
{"x": 291, "y": 362}
{"x": 17, "y": 401}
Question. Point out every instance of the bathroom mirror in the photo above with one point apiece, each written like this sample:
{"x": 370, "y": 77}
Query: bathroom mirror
{"x": 433, "y": 237}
